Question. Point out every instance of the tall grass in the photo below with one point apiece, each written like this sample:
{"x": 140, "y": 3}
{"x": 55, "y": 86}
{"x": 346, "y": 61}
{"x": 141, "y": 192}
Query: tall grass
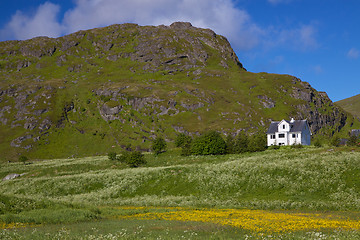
{"x": 306, "y": 179}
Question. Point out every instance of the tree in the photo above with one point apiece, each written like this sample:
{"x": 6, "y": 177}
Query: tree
{"x": 353, "y": 140}
{"x": 23, "y": 159}
{"x": 241, "y": 143}
{"x": 230, "y": 144}
{"x": 257, "y": 143}
{"x": 335, "y": 141}
{"x": 132, "y": 159}
{"x": 317, "y": 143}
{"x": 185, "y": 144}
{"x": 135, "y": 159}
{"x": 159, "y": 145}
{"x": 112, "y": 156}
{"x": 180, "y": 139}
{"x": 210, "y": 143}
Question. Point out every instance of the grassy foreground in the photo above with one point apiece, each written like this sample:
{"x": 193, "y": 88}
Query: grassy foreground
{"x": 309, "y": 193}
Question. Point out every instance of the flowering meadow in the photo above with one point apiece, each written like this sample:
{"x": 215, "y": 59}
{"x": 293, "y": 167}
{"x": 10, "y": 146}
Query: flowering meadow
{"x": 254, "y": 220}
{"x": 293, "y": 193}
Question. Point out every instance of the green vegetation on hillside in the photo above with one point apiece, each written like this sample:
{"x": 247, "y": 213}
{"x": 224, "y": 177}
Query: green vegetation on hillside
{"x": 96, "y": 91}
{"x": 351, "y": 105}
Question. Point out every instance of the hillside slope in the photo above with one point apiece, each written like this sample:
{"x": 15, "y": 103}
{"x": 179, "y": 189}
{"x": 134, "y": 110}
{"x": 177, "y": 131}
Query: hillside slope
{"x": 351, "y": 105}
{"x": 100, "y": 90}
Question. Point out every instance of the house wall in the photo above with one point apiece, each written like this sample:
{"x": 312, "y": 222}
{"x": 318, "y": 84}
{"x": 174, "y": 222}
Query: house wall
{"x": 282, "y": 141}
{"x": 306, "y": 138}
{"x": 270, "y": 141}
{"x": 296, "y": 140}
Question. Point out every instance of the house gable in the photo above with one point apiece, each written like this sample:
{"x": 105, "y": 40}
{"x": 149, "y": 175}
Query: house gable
{"x": 284, "y": 126}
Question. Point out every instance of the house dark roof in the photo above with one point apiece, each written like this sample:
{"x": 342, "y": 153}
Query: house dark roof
{"x": 273, "y": 127}
{"x": 296, "y": 126}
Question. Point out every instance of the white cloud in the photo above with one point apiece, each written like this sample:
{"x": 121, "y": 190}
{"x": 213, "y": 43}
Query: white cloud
{"x": 301, "y": 38}
{"x": 222, "y": 16}
{"x": 42, "y": 23}
{"x": 353, "y": 53}
{"x": 318, "y": 69}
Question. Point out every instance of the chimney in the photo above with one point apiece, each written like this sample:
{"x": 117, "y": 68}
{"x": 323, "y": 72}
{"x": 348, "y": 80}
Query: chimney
{"x": 292, "y": 120}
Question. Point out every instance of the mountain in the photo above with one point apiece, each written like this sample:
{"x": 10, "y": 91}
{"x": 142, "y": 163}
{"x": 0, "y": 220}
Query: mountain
{"x": 104, "y": 89}
{"x": 351, "y": 105}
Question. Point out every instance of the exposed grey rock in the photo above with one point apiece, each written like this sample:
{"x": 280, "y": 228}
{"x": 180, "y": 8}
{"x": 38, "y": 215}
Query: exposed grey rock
{"x": 192, "y": 107}
{"x": 17, "y": 141}
{"x": 355, "y": 132}
{"x": 108, "y": 114}
{"x": 139, "y": 103}
{"x": 266, "y": 101}
{"x": 11, "y": 176}
{"x": 23, "y": 64}
{"x": 181, "y": 25}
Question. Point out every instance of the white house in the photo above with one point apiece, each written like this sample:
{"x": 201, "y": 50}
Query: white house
{"x": 289, "y": 133}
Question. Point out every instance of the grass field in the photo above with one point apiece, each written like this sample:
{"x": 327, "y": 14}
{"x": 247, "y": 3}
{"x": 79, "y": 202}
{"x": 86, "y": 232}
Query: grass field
{"x": 308, "y": 193}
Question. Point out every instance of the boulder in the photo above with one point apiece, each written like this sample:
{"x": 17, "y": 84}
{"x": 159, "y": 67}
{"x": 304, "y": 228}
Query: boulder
{"x": 12, "y": 176}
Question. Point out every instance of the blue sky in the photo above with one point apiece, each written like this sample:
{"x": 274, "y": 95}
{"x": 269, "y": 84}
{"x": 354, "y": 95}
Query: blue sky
{"x": 317, "y": 41}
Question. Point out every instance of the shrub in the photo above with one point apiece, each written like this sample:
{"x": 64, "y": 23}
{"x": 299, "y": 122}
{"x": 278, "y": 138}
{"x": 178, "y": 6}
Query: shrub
{"x": 257, "y": 143}
{"x": 180, "y": 139}
{"x": 123, "y": 157}
{"x": 230, "y": 144}
{"x": 135, "y": 159}
{"x": 335, "y": 141}
{"x": 159, "y": 145}
{"x": 210, "y": 143}
{"x": 112, "y": 156}
{"x": 23, "y": 159}
{"x": 297, "y": 145}
{"x": 186, "y": 146}
{"x": 317, "y": 143}
{"x": 132, "y": 159}
{"x": 241, "y": 143}
{"x": 353, "y": 140}
{"x": 275, "y": 147}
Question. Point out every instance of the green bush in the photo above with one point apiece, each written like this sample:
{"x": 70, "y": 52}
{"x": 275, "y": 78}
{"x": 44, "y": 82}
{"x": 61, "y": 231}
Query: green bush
{"x": 180, "y": 139}
{"x": 230, "y": 143}
{"x": 274, "y": 147}
{"x": 317, "y": 143}
{"x": 23, "y": 159}
{"x": 353, "y": 141}
{"x": 297, "y": 145}
{"x": 135, "y": 159}
{"x": 112, "y": 156}
{"x": 123, "y": 157}
{"x": 335, "y": 141}
{"x": 257, "y": 143}
{"x": 159, "y": 145}
{"x": 132, "y": 159}
{"x": 241, "y": 143}
{"x": 186, "y": 146}
{"x": 210, "y": 143}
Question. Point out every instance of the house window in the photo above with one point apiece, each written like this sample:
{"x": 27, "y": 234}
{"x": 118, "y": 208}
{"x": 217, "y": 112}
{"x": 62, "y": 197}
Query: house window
{"x": 272, "y": 136}
{"x": 294, "y": 135}
{"x": 283, "y": 126}
{"x": 281, "y": 135}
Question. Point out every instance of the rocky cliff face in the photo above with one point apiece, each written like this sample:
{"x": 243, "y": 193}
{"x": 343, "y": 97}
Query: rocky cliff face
{"x": 99, "y": 90}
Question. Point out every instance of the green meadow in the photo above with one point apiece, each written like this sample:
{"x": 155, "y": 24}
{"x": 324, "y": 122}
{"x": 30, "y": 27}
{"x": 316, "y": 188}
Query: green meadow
{"x": 88, "y": 198}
